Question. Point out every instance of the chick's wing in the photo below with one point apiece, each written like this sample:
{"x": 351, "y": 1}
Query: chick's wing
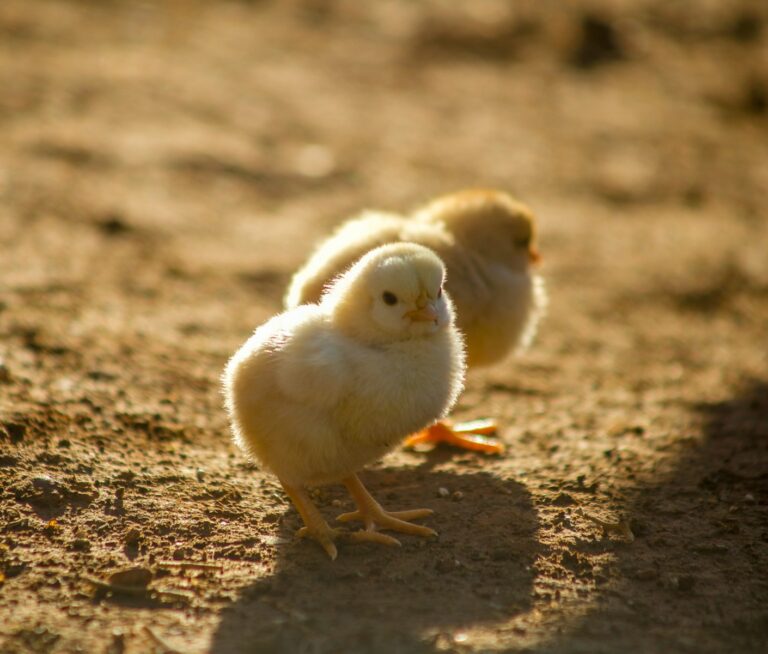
{"x": 311, "y": 365}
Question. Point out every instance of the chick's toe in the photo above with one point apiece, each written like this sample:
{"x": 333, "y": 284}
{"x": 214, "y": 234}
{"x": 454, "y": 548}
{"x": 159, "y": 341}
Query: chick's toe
{"x": 371, "y": 513}
{"x": 325, "y": 535}
{"x": 364, "y": 536}
{"x": 315, "y": 525}
{"x": 382, "y": 519}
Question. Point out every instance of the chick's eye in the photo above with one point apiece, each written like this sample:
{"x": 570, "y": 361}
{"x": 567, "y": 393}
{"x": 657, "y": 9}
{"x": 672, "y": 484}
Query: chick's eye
{"x": 389, "y": 298}
{"x": 522, "y": 241}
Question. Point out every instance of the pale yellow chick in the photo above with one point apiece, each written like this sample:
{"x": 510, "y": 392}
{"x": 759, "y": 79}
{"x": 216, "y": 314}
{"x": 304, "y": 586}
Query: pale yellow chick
{"x": 323, "y": 389}
{"x": 487, "y": 240}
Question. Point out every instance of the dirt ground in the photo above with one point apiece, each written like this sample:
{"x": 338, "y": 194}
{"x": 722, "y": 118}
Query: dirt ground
{"x": 164, "y": 167}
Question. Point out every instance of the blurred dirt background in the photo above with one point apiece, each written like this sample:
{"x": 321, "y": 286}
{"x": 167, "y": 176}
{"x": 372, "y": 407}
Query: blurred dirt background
{"x": 164, "y": 167}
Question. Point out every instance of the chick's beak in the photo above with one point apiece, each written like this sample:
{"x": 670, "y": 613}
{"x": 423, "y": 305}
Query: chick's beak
{"x": 533, "y": 254}
{"x": 426, "y": 313}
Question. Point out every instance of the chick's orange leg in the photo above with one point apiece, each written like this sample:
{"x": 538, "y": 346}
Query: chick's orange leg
{"x": 373, "y": 516}
{"x": 472, "y": 435}
{"x": 315, "y": 525}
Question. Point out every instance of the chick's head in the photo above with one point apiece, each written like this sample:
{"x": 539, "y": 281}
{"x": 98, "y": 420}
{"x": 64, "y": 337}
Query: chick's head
{"x": 489, "y": 222}
{"x": 393, "y": 293}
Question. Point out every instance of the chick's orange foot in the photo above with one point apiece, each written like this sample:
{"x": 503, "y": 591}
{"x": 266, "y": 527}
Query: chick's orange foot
{"x": 473, "y": 435}
{"x": 371, "y": 513}
{"x": 315, "y": 526}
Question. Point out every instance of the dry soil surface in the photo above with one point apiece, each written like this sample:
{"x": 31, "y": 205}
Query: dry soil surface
{"x": 164, "y": 167}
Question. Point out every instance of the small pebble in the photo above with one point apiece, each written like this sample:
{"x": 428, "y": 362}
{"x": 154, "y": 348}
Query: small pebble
{"x": 646, "y": 574}
{"x": 457, "y": 496}
{"x": 133, "y": 537}
{"x": 443, "y": 492}
{"x": 503, "y": 553}
{"x": 81, "y": 545}
{"x": 445, "y": 565}
{"x": 44, "y": 483}
{"x": 564, "y": 499}
{"x": 315, "y": 161}
{"x": 686, "y": 582}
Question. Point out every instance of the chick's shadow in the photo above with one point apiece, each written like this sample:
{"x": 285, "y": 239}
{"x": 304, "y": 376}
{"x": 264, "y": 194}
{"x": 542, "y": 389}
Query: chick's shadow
{"x": 387, "y": 599}
{"x": 683, "y": 516}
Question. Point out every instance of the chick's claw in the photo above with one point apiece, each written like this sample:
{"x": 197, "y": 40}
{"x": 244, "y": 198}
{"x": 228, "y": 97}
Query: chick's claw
{"x": 324, "y": 536}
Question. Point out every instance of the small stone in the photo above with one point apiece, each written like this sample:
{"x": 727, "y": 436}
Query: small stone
{"x": 646, "y": 574}
{"x": 8, "y": 460}
{"x": 117, "y": 646}
{"x": 476, "y": 555}
{"x": 443, "y": 492}
{"x": 457, "y": 496}
{"x": 81, "y": 545}
{"x": 711, "y": 548}
{"x": 315, "y": 161}
{"x": 133, "y": 537}
{"x": 113, "y": 224}
{"x": 564, "y": 520}
{"x": 598, "y": 42}
{"x": 51, "y": 528}
{"x": 200, "y": 474}
{"x": 135, "y": 577}
{"x": 503, "y": 553}
{"x": 13, "y": 431}
{"x": 686, "y": 582}
{"x": 14, "y": 570}
{"x": 45, "y": 483}
{"x": 445, "y": 565}
{"x": 680, "y": 582}
{"x": 564, "y": 499}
